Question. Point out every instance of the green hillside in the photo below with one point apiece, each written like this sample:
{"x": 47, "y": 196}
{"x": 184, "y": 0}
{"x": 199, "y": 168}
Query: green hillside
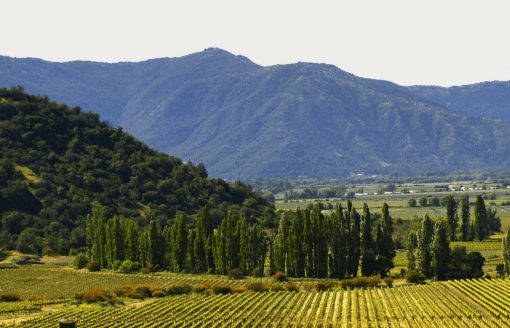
{"x": 55, "y": 161}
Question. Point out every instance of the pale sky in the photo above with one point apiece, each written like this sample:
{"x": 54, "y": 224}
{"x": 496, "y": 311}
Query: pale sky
{"x": 440, "y": 42}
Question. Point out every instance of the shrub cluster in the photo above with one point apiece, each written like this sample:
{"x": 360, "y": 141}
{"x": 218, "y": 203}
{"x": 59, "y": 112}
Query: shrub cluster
{"x": 10, "y": 297}
{"x": 360, "y": 282}
{"x": 97, "y": 296}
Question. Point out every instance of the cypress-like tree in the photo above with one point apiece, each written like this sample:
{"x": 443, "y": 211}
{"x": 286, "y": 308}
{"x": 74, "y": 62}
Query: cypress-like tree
{"x": 308, "y": 241}
{"x": 96, "y": 235}
{"x": 466, "y": 225}
{"x": 338, "y": 238}
{"x": 506, "y": 252}
{"x": 191, "y": 262}
{"x": 320, "y": 249}
{"x": 114, "y": 240}
{"x": 155, "y": 247}
{"x": 282, "y": 244}
{"x": 423, "y": 251}
{"x": 131, "y": 239}
{"x": 297, "y": 249}
{"x": 385, "y": 245}
{"x": 440, "y": 251}
{"x": 367, "y": 245}
{"x": 480, "y": 223}
{"x": 203, "y": 251}
{"x": 451, "y": 216}
{"x": 412, "y": 245}
{"x": 178, "y": 241}
{"x": 354, "y": 243}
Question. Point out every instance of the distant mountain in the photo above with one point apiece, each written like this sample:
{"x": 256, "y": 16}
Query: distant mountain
{"x": 247, "y": 121}
{"x": 56, "y": 161}
{"x": 487, "y": 99}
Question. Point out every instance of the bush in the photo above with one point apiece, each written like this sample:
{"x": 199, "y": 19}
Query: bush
{"x": 235, "y": 274}
{"x": 360, "y": 282}
{"x": 415, "y": 277}
{"x": 93, "y": 266}
{"x": 158, "y": 293}
{"x": 308, "y": 286}
{"x": 149, "y": 268}
{"x": 116, "y": 265}
{"x": 290, "y": 287}
{"x": 178, "y": 289}
{"x": 388, "y": 281}
{"x": 325, "y": 286}
{"x": 202, "y": 289}
{"x": 222, "y": 289}
{"x": 280, "y": 277}
{"x": 277, "y": 287}
{"x": 97, "y": 296}
{"x": 257, "y": 287}
{"x": 128, "y": 266}
{"x": 10, "y": 297}
{"x": 80, "y": 261}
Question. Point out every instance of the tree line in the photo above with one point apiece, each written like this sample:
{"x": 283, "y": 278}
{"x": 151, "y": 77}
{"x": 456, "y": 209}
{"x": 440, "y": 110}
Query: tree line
{"x": 428, "y": 249}
{"x": 307, "y": 243}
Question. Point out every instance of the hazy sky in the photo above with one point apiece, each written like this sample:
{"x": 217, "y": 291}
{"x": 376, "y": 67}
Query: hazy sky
{"x": 406, "y": 41}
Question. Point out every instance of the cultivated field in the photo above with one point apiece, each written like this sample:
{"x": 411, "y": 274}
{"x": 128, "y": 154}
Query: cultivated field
{"x": 466, "y": 303}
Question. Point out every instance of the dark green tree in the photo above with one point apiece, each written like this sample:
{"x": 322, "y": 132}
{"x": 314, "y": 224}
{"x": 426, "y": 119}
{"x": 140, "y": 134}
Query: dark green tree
{"x": 384, "y": 241}
{"x": 96, "y": 235}
{"x": 367, "y": 244}
{"x": 412, "y": 245}
{"x": 480, "y": 222}
{"x": 451, "y": 216}
{"x": 354, "y": 243}
{"x": 465, "y": 226}
{"x": 423, "y": 251}
{"x": 179, "y": 241}
{"x": 440, "y": 251}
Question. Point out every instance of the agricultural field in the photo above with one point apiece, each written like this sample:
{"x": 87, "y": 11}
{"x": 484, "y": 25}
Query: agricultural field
{"x": 464, "y": 303}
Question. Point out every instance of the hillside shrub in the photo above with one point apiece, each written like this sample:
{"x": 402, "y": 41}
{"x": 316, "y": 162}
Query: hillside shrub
{"x": 80, "y": 261}
{"x": 97, "y": 296}
{"x": 235, "y": 274}
{"x": 129, "y": 266}
{"x": 280, "y": 277}
{"x": 257, "y": 286}
{"x": 360, "y": 282}
{"x": 415, "y": 277}
{"x": 290, "y": 287}
{"x": 222, "y": 289}
{"x": 93, "y": 266}
{"x": 10, "y": 297}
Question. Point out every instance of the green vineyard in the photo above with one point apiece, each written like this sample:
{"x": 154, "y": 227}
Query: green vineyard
{"x": 464, "y": 303}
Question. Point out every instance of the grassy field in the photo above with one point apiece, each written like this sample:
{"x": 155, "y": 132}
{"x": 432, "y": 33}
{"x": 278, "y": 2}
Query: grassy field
{"x": 467, "y": 303}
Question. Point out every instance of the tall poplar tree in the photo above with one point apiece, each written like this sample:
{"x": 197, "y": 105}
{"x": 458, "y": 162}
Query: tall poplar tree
{"x": 465, "y": 228}
{"x": 367, "y": 245}
{"x": 506, "y": 252}
{"x": 480, "y": 222}
{"x": 440, "y": 251}
{"x": 412, "y": 245}
{"x": 385, "y": 245}
{"x": 423, "y": 251}
{"x": 178, "y": 241}
{"x": 96, "y": 234}
{"x": 354, "y": 243}
{"x": 451, "y": 216}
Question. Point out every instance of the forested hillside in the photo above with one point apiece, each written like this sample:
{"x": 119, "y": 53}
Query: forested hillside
{"x": 55, "y": 161}
{"x": 246, "y": 121}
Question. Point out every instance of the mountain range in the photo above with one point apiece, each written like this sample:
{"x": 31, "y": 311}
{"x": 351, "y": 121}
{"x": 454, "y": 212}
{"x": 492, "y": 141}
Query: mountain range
{"x": 244, "y": 121}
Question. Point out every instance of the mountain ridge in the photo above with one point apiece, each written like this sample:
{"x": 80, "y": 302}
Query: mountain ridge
{"x": 245, "y": 121}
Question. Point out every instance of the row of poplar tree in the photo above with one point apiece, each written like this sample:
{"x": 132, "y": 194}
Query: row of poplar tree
{"x": 307, "y": 244}
{"x": 485, "y": 219}
{"x": 310, "y": 244}
{"x": 202, "y": 248}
